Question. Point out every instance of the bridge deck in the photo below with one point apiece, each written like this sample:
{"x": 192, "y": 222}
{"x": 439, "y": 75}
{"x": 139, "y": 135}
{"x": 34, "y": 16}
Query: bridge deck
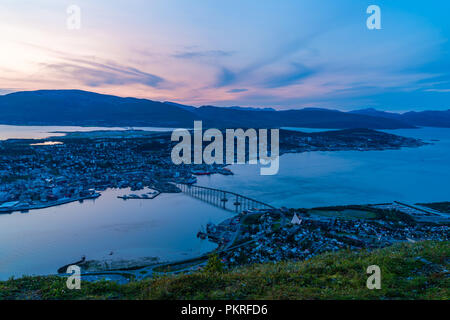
{"x": 220, "y": 198}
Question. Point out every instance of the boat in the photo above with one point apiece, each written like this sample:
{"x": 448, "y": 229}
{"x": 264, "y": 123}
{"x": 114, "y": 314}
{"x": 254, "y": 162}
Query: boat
{"x": 201, "y": 235}
{"x": 191, "y": 180}
{"x": 226, "y": 172}
{"x": 205, "y": 173}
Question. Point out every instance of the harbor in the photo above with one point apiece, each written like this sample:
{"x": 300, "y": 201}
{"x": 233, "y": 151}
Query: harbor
{"x": 144, "y": 196}
{"x": 14, "y": 206}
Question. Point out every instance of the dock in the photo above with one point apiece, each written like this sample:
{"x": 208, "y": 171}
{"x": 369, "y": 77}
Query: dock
{"x": 145, "y": 196}
{"x": 44, "y": 205}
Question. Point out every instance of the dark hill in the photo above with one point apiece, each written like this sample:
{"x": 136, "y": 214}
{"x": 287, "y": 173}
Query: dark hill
{"x": 75, "y": 107}
{"x": 428, "y": 118}
{"x": 307, "y": 118}
{"x": 422, "y": 118}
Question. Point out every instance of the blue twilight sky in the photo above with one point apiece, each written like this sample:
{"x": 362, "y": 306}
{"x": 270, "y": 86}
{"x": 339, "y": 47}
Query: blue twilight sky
{"x": 283, "y": 54}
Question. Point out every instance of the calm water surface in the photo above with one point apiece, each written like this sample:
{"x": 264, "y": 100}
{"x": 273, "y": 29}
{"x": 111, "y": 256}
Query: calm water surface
{"x": 41, "y": 241}
{"x": 42, "y": 132}
{"x": 313, "y": 179}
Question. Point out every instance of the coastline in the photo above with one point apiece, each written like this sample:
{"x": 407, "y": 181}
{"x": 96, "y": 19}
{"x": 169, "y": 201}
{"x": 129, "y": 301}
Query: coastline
{"x": 237, "y": 241}
{"x": 77, "y": 199}
{"x": 48, "y": 204}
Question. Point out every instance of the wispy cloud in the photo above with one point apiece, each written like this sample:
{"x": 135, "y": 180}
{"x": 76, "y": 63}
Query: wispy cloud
{"x": 205, "y": 52}
{"x": 225, "y": 77}
{"x": 295, "y": 73}
{"x": 237, "y": 90}
{"x": 104, "y": 73}
{"x": 202, "y": 54}
{"x": 437, "y": 90}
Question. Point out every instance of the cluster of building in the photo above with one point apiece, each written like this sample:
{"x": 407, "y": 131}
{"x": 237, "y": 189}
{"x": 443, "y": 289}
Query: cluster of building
{"x": 343, "y": 140}
{"x": 34, "y": 176}
{"x": 275, "y": 235}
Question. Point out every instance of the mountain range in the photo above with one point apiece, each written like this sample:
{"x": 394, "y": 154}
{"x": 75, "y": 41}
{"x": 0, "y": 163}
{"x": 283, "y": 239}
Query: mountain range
{"x": 421, "y": 119}
{"x": 76, "y": 107}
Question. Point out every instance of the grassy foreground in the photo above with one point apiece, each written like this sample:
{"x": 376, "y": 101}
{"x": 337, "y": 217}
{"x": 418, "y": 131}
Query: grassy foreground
{"x": 408, "y": 271}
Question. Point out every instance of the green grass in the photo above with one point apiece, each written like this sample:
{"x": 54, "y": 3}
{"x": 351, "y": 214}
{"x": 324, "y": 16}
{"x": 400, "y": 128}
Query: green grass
{"x": 251, "y": 219}
{"x": 408, "y": 271}
{"x": 276, "y": 226}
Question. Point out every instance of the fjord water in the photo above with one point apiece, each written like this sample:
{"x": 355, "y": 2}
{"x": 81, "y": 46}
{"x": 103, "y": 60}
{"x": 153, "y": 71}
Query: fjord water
{"x": 313, "y": 179}
{"x": 42, "y": 132}
{"x": 41, "y": 241}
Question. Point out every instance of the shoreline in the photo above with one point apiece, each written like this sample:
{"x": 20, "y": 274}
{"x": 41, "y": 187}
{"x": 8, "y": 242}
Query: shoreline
{"x": 48, "y": 205}
{"x": 146, "y": 270}
{"x": 237, "y": 241}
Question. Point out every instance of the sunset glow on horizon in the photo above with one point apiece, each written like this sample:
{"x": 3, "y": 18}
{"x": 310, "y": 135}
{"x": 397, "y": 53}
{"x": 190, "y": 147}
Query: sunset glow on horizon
{"x": 248, "y": 53}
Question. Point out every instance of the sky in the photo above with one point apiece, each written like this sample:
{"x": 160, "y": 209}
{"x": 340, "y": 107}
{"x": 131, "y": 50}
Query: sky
{"x": 286, "y": 54}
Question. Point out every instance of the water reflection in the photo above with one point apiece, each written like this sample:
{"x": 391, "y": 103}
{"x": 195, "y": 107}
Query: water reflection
{"x": 41, "y": 241}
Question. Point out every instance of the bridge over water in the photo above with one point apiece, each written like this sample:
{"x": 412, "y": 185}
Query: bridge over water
{"x": 230, "y": 201}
